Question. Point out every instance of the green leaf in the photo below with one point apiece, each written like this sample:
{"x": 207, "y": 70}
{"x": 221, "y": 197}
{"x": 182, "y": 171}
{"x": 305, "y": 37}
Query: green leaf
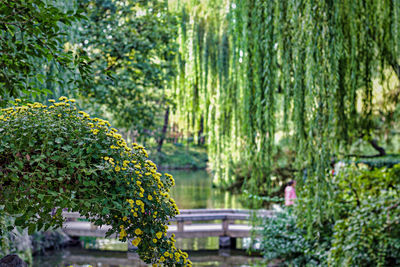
{"x": 31, "y": 229}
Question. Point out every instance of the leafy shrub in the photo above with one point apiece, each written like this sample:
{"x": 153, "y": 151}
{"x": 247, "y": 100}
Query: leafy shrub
{"x": 282, "y": 239}
{"x": 367, "y": 232}
{"x": 55, "y": 157}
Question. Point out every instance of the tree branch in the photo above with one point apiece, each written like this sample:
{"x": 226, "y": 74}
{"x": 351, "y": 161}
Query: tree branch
{"x": 380, "y": 149}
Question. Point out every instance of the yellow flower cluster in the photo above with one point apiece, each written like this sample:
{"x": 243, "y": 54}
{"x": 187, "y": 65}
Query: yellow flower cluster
{"x": 122, "y": 232}
{"x": 131, "y": 166}
{"x": 174, "y": 253}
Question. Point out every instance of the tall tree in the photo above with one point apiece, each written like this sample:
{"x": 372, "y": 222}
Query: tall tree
{"x": 306, "y": 75}
{"x": 133, "y": 41}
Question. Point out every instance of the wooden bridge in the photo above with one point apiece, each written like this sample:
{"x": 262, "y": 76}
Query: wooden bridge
{"x": 227, "y": 224}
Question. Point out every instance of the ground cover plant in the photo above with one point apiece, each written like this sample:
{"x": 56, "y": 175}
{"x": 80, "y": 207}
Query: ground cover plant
{"x": 54, "y": 157}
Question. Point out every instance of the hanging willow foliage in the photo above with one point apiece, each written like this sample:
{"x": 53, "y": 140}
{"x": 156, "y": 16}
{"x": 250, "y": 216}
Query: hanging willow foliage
{"x": 254, "y": 72}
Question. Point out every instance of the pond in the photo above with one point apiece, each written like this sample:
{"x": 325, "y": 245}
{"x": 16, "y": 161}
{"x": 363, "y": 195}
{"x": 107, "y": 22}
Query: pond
{"x": 193, "y": 190}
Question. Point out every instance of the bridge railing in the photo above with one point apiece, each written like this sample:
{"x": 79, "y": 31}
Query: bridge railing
{"x": 226, "y": 216}
{"x": 204, "y": 219}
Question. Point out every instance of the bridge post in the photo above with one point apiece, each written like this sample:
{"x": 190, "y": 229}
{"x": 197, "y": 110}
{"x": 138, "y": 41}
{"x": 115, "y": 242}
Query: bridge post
{"x": 225, "y": 226}
{"x": 180, "y": 224}
{"x": 226, "y": 241}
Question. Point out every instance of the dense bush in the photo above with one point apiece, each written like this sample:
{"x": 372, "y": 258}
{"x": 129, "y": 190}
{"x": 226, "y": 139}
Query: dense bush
{"x": 282, "y": 239}
{"x": 367, "y": 232}
{"x": 55, "y": 157}
{"x": 364, "y": 229}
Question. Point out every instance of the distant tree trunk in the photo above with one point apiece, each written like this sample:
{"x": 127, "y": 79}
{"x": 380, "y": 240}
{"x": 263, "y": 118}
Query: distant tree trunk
{"x": 380, "y": 149}
{"x": 200, "y": 139}
{"x": 376, "y": 146}
{"x": 164, "y": 130}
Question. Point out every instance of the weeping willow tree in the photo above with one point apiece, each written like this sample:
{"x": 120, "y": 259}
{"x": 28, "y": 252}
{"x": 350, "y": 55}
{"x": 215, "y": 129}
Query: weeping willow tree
{"x": 253, "y": 73}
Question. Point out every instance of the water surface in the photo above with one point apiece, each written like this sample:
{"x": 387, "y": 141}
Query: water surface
{"x": 193, "y": 190}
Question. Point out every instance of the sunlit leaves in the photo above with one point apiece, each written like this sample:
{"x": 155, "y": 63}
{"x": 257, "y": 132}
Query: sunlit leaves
{"x": 31, "y": 34}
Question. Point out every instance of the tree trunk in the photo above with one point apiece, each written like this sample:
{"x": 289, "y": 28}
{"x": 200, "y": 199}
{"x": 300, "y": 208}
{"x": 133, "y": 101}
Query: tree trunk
{"x": 164, "y": 130}
{"x": 200, "y": 138}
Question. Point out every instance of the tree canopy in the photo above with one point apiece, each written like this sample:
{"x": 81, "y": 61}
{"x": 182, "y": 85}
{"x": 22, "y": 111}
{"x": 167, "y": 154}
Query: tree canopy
{"x": 31, "y": 40}
{"x": 299, "y": 77}
{"x": 131, "y": 46}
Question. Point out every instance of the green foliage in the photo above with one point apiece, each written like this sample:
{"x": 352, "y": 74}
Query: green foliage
{"x": 380, "y": 162}
{"x": 131, "y": 45}
{"x": 55, "y": 157}
{"x": 362, "y": 231}
{"x": 322, "y": 74}
{"x": 367, "y": 231}
{"x": 176, "y": 156}
{"x": 282, "y": 239}
{"x": 31, "y": 39}
{"x": 261, "y": 200}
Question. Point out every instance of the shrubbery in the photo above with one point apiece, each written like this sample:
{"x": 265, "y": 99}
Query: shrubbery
{"x": 367, "y": 231}
{"x": 282, "y": 239}
{"x": 55, "y": 157}
{"x": 364, "y": 231}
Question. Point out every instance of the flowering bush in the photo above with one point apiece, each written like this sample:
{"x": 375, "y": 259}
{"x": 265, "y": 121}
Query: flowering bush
{"x": 54, "y": 157}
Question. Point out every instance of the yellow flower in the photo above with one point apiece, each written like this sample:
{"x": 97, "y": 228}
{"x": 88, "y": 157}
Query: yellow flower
{"x": 162, "y": 259}
{"x": 136, "y": 241}
{"x": 149, "y": 197}
{"x": 154, "y": 240}
{"x": 166, "y": 254}
{"x": 138, "y": 231}
{"x": 117, "y": 169}
{"x": 138, "y": 182}
{"x": 159, "y": 235}
{"x": 125, "y": 218}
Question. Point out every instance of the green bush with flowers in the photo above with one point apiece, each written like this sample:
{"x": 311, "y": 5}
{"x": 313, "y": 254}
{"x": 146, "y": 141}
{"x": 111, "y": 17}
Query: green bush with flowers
{"x": 54, "y": 157}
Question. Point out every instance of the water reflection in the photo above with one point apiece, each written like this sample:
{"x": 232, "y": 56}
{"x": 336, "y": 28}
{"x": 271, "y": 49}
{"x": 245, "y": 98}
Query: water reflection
{"x": 193, "y": 190}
